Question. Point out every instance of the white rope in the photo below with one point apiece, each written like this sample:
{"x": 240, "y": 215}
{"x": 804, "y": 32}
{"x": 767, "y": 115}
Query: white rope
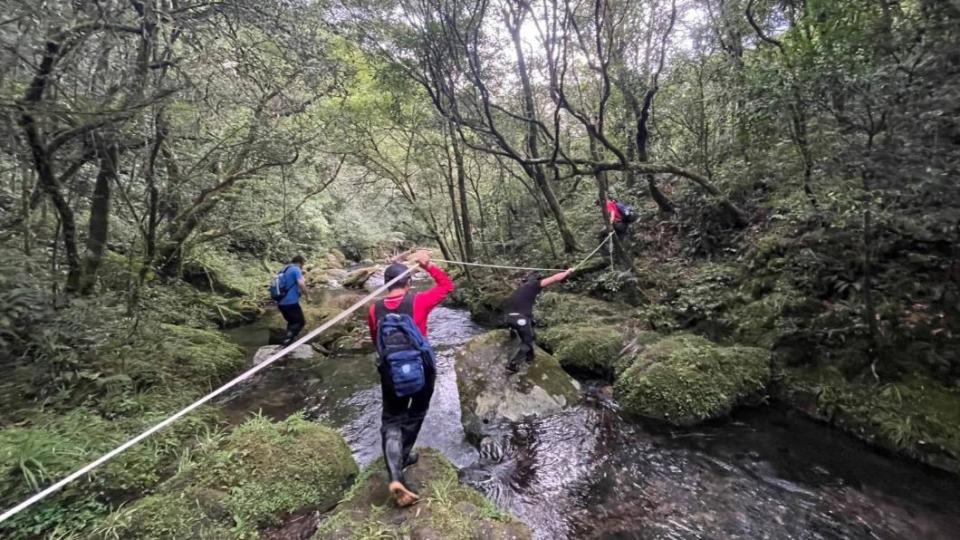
{"x": 579, "y": 264}
{"x": 463, "y": 263}
{"x": 240, "y": 378}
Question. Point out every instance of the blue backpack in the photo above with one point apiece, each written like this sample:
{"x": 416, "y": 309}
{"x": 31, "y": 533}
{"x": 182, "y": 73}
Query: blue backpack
{"x": 405, "y": 355}
{"x": 279, "y": 285}
{"x": 628, "y": 212}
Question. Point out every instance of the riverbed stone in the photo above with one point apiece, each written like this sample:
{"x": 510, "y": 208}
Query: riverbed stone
{"x": 262, "y": 472}
{"x": 490, "y": 395}
{"x": 685, "y": 379}
{"x": 357, "y": 278}
{"x": 303, "y": 352}
{"x": 368, "y": 511}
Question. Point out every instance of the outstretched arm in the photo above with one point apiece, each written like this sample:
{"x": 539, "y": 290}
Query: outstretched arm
{"x": 556, "y": 278}
{"x": 444, "y": 285}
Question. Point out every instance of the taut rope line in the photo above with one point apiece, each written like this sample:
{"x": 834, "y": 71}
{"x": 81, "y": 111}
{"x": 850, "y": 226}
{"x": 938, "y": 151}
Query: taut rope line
{"x": 240, "y": 378}
{"x": 532, "y": 269}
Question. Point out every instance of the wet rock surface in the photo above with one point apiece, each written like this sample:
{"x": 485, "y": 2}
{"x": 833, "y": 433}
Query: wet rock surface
{"x": 491, "y": 396}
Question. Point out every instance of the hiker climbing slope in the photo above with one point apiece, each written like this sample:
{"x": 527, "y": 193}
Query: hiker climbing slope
{"x": 286, "y": 289}
{"x": 407, "y": 367}
{"x": 518, "y": 314}
{"x": 621, "y": 216}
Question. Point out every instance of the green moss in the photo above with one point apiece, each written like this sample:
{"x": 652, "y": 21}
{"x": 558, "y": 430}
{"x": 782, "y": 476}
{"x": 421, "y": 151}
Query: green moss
{"x": 554, "y": 308}
{"x": 448, "y": 509}
{"x": 916, "y": 416}
{"x": 773, "y": 318}
{"x": 687, "y": 379}
{"x": 260, "y": 473}
{"x": 584, "y": 348}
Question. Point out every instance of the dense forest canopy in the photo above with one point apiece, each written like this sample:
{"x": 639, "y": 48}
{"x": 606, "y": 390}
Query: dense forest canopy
{"x": 794, "y": 163}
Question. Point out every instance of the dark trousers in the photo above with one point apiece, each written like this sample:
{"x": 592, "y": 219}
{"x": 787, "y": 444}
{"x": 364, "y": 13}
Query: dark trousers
{"x": 295, "y": 321}
{"x": 526, "y": 335}
{"x": 401, "y": 420}
{"x": 620, "y": 228}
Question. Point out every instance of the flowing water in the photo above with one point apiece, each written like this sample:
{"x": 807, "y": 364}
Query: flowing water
{"x": 589, "y": 473}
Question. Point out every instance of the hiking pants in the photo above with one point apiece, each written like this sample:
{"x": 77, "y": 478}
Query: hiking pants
{"x": 521, "y": 326}
{"x": 620, "y": 228}
{"x": 295, "y": 321}
{"x": 401, "y": 420}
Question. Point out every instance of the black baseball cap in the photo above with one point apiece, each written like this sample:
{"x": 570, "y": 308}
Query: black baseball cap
{"x": 394, "y": 270}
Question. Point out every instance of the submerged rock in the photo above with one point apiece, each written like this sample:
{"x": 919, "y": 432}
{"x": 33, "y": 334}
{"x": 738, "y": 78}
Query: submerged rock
{"x": 490, "y": 395}
{"x": 584, "y": 348}
{"x": 261, "y": 472}
{"x": 447, "y": 510}
{"x": 303, "y": 352}
{"x": 686, "y": 379}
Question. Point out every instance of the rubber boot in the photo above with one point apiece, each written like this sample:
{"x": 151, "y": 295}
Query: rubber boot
{"x": 393, "y": 456}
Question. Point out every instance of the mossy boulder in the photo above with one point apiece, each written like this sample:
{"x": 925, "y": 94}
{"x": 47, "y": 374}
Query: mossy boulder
{"x": 485, "y": 301}
{"x": 686, "y": 379}
{"x": 490, "y": 395}
{"x": 584, "y": 348}
{"x": 260, "y": 473}
{"x": 556, "y": 308}
{"x": 448, "y": 510}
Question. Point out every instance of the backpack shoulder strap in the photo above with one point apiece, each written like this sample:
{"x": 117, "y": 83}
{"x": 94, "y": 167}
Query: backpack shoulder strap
{"x": 406, "y": 306}
{"x": 380, "y": 310}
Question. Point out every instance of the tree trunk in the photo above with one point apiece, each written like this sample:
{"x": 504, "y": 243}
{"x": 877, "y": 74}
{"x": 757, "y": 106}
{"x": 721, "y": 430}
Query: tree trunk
{"x": 533, "y": 151}
{"x": 26, "y": 189}
{"x": 98, "y": 228}
{"x": 464, "y": 206}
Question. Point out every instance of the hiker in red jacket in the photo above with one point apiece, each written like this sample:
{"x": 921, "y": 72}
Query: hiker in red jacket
{"x": 618, "y": 220}
{"x": 403, "y": 414}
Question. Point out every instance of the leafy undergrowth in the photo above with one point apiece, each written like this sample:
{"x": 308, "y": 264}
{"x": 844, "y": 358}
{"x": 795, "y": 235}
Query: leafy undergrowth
{"x": 252, "y": 478}
{"x": 448, "y": 509}
{"x": 84, "y": 377}
{"x": 916, "y": 417}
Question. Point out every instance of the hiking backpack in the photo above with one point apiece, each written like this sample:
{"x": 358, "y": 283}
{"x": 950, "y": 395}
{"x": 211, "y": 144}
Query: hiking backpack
{"x": 278, "y": 285}
{"x": 628, "y": 213}
{"x": 405, "y": 355}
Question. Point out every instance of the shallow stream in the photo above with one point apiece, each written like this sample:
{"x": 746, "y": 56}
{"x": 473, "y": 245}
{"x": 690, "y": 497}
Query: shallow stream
{"x": 589, "y": 473}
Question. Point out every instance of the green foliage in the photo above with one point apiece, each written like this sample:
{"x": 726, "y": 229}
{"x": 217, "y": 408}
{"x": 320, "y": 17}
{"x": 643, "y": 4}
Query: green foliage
{"x": 915, "y": 416}
{"x": 684, "y": 379}
{"x": 554, "y": 308}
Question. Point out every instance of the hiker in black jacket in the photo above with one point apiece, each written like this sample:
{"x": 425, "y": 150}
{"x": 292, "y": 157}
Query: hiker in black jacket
{"x": 518, "y": 314}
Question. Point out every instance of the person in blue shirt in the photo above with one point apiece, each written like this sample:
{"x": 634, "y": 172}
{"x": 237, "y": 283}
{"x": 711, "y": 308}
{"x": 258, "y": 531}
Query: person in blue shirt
{"x": 289, "y": 305}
